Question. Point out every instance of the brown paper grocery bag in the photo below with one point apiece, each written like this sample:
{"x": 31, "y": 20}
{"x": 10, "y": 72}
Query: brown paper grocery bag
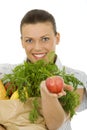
{"x": 14, "y": 115}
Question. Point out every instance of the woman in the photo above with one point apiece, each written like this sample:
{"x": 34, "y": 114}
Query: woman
{"x": 39, "y": 37}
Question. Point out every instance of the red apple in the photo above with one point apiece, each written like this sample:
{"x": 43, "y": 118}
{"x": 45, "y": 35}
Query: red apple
{"x": 55, "y": 84}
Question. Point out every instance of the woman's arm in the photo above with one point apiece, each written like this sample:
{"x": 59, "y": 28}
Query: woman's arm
{"x": 53, "y": 112}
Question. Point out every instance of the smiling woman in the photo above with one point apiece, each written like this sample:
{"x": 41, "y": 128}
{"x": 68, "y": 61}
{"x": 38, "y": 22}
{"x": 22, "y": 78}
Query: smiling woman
{"x": 38, "y": 40}
{"x": 69, "y": 22}
{"x": 38, "y": 34}
{"x": 39, "y": 37}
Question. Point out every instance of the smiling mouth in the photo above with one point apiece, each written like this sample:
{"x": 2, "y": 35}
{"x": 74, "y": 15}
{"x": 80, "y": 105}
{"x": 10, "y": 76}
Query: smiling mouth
{"x": 39, "y": 56}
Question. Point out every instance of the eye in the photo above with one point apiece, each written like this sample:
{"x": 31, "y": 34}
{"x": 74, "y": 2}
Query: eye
{"x": 44, "y": 39}
{"x": 29, "y": 40}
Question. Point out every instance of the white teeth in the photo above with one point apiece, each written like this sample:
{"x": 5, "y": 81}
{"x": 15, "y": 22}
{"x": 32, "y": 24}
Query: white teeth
{"x": 39, "y": 55}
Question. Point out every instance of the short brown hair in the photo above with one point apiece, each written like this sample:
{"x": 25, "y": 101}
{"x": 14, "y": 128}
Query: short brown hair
{"x": 37, "y": 15}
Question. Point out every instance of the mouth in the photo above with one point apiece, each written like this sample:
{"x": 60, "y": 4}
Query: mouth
{"x": 39, "y": 55}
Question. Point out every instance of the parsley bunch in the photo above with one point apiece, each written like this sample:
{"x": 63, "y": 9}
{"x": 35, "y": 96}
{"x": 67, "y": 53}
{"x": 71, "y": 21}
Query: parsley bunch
{"x": 30, "y": 75}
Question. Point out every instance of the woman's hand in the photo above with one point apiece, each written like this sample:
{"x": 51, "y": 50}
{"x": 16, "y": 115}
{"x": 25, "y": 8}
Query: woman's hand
{"x": 66, "y": 87}
{"x": 53, "y": 112}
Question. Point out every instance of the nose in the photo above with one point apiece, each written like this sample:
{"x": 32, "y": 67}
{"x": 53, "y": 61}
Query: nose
{"x": 37, "y": 45}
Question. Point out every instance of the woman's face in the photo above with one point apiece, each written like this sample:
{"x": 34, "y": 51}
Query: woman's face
{"x": 38, "y": 40}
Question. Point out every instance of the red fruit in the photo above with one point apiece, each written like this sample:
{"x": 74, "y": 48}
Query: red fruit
{"x": 7, "y": 86}
{"x": 55, "y": 84}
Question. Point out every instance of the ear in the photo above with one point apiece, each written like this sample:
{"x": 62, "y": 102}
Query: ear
{"x": 57, "y": 38}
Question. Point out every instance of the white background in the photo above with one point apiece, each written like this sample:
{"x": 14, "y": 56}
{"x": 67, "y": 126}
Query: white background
{"x": 71, "y": 19}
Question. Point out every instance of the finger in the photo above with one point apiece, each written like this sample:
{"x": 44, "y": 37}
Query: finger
{"x": 62, "y": 93}
{"x": 68, "y": 87}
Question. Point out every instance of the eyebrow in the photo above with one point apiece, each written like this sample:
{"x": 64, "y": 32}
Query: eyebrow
{"x": 40, "y": 37}
{"x": 45, "y": 35}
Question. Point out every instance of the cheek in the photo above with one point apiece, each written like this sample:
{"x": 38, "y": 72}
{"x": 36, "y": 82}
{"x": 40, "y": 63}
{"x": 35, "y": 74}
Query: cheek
{"x": 28, "y": 47}
{"x": 51, "y": 46}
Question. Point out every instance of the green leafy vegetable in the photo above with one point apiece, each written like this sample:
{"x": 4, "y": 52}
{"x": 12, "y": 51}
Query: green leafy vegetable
{"x": 33, "y": 115}
{"x": 70, "y": 102}
{"x": 30, "y": 75}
